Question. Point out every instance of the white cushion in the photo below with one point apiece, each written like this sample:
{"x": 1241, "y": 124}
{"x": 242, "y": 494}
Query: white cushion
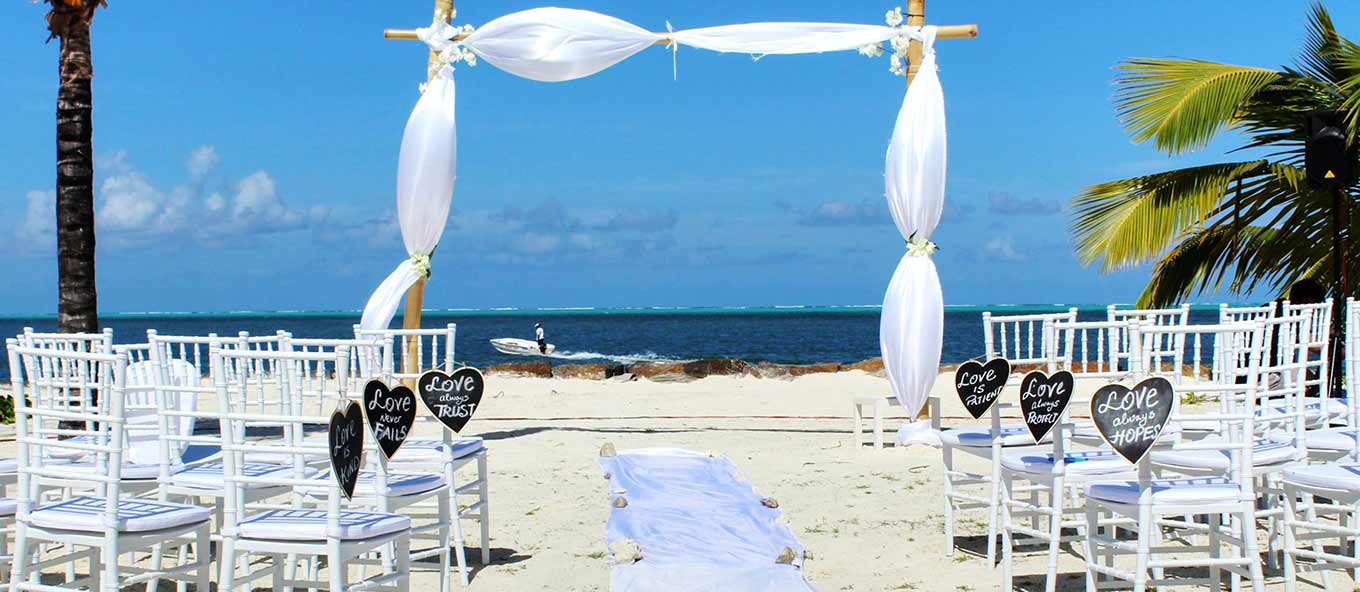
{"x": 8, "y": 506}
{"x": 1011, "y": 435}
{"x": 1332, "y": 439}
{"x": 398, "y": 484}
{"x": 210, "y": 475}
{"x": 1265, "y": 452}
{"x": 431, "y": 449}
{"x": 1312, "y": 409}
{"x": 1343, "y": 477}
{"x": 310, "y": 525}
{"x": 86, "y": 513}
{"x": 1082, "y": 462}
{"x": 1205, "y": 490}
{"x": 130, "y": 471}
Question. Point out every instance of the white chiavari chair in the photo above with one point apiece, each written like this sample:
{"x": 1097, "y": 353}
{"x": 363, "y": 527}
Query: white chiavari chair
{"x": 449, "y": 453}
{"x": 1147, "y": 504}
{"x": 1024, "y": 341}
{"x": 109, "y": 523}
{"x": 1055, "y": 475}
{"x": 323, "y": 528}
{"x": 1318, "y": 337}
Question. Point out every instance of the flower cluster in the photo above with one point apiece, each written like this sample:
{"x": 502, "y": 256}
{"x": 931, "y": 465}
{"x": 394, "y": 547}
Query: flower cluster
{"x": 899, "y": 44}
{"x": 447, "y": 41}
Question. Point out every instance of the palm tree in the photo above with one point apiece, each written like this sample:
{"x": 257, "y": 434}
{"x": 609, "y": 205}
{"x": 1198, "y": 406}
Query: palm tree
{"x": 69, "y": 20}
{"x": 1241, "y": 226}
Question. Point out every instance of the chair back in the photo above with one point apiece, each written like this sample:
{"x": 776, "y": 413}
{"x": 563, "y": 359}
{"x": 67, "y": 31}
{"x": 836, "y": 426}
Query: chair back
{"x": 1245, "y": 314}
{"x": 1154, "y": 346}
{"x": 49, "y": 428}
{"x": 430, "y": 348}
{"x": 364, "y": 362}
{"x": 1090, "y": 349}
{"x": 1317, "y": 338}
{"x": 1021, "y": 339}
{"x": 1238, "y": 350}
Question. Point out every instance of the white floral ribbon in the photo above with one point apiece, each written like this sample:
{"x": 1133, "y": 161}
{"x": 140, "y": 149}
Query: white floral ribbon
{"x": 442, "y": 38}
{"x": 920, "y": 247}
{"x": 421, "y": 265}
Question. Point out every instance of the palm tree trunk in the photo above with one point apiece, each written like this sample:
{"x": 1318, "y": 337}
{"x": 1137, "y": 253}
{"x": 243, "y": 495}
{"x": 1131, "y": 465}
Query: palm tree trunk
{"x": 77, "y": 310}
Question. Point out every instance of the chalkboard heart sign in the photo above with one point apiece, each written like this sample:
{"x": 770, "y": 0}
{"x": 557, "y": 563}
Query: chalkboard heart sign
{"x": 391, "y": 412}
{"x": 979, "y": 385}
{"x": 1043, "y": 399}
{"x": 346, "y": 437}
{"x": 452, "y": 398}
{"x": 1130, "y": 420}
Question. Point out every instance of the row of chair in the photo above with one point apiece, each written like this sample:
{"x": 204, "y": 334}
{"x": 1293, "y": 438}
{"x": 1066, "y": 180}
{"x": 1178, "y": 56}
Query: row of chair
{"x": 1261, "y": 445}
{"x": 132, "y": 456}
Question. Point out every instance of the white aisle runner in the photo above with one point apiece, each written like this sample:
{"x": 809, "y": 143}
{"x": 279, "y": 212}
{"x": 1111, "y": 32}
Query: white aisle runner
{"x": 701, "y": 527}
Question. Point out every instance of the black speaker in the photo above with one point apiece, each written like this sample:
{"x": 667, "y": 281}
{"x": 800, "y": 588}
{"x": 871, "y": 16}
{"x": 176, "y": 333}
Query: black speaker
{"x": 1328, "y": 161}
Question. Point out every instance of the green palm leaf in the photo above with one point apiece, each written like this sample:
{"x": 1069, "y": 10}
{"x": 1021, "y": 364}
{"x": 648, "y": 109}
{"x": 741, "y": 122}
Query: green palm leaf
{"x": 1181, "y": 104}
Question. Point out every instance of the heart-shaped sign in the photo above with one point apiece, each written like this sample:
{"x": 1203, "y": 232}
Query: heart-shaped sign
{"x": 1130, "y": 420}
{"x": 1043, "y": 399}
{"x": 452, "y": 398}
{"x": 391, "y": 412}
{"x": 979, "y": 385}
{"x": 346, "y": 437}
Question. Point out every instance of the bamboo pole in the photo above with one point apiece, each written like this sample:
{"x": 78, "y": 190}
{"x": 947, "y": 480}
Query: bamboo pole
{"x": 415, "y": 295}
{"x": 916, "y": 17}
{"x": 944, "y": 32}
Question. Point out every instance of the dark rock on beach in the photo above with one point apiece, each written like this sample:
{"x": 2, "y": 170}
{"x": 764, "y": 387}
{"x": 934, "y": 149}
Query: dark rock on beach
{"x": 651, "y": 370}
{"x": 717, "y": 367}
{"x": 588, "y": 371}
{"x": 822, "y": 368}
{"x": 870, "y": 365}
{"x": 541, "y": 369}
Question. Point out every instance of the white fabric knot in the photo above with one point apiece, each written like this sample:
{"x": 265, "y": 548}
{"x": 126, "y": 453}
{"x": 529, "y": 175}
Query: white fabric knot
{"x": 920, "y": 247}
{"x": 674, "y": 46}
{"x": 439, "y": 35}
{"x": 421, "y": 265}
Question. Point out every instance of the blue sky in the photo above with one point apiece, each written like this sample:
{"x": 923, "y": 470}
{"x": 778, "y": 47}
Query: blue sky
{"x": 740, "y": 183}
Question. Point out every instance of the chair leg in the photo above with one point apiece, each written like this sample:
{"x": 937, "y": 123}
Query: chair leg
{"x": 335, "y": 567}
{"x": 459, "y": 554}
{"x": 18, "y": 569}
{"x": 1289, "y": 522}
{"x": 484, "y": 493}
{"x": 1250, "y": 550}
{"x": 879, "y": 408}
{"x": 1007, "y": 539}
{"x": 110, "y": 564}
{"x": 1055, "y": 521}
{"x": 203, "y": 557}
{"x": 857, "y": 419}
{"x": 947, "y": 455}
{"x": 445, "y": 540}
{"x": 1089, "y": 545}
{"x": 226, "y": 564}
{"x": 1215, "y": 552}
{"x": 1145, "y": 528}
{"x": 404, "y": 564}
{"x": 991, "y": 507}
{"x": 276, "y": 572}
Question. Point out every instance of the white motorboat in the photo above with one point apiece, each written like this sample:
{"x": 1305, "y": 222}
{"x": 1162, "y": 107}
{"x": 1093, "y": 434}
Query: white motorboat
{"x": 520, "y": 347}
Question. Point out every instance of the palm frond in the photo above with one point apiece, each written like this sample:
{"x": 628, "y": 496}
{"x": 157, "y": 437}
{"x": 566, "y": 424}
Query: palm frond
{"x": 1181, "y": 104}
{"x": 1132, "y": 221}
{"x": 1200, "y": 263}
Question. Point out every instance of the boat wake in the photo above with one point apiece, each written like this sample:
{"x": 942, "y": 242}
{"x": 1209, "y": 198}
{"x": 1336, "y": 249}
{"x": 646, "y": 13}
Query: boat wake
{"x": 618, "y": 359}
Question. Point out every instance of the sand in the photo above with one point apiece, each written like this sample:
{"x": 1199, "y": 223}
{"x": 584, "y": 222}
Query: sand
{"x": 871, "y": 520}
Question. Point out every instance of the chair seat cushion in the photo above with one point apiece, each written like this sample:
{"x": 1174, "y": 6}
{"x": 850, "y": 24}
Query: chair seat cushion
{"x": 310, "y": 525}
{"x": 1329, "y": 439}
{"x": 432, "y": 449}
{"x": 1081, "y": 462}
{"x": 398, "y": 484}
{"x": 86, "y": 513}
{"x": 1011, "y": 435}
{"x": 1265, "y": 452}
{"x": 130, "y": 471}
{"x": 1206, "y": 490}
{"x": 1312, "y": 409}
{"x": 1334, "y": 476}
{"x": 1086, "y": 429}
{"x": 8, "y": 506}
{"x": 209, "y": 475}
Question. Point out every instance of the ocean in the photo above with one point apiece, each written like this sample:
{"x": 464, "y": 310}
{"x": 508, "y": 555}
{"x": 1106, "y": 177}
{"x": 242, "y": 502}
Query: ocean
{"x": 781, "y": 334}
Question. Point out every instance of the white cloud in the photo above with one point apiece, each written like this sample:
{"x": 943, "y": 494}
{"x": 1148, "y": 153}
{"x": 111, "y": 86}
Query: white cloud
{"x": 203, "y": 161}
{"x": 1003, "y": 249}
{"x": 132, "y": 211}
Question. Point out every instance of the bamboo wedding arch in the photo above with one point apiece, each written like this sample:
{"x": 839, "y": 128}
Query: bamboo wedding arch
{"x": 559, "y": 44}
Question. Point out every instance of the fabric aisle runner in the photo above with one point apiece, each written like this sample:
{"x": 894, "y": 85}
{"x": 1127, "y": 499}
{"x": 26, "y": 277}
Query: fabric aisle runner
{"x": 699, "y": 524}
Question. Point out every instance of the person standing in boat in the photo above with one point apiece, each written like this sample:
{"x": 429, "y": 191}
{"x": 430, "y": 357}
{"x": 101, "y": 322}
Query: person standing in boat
{"x": 538, "y": 336}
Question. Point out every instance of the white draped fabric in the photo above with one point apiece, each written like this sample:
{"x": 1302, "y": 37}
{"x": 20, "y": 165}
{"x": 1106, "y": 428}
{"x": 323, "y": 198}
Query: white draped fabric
{"x": 558, "y": 44}
{"x": 700, "y": 526}
{"x": 912, "y": 323}
{"x": 425, "y": 177}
